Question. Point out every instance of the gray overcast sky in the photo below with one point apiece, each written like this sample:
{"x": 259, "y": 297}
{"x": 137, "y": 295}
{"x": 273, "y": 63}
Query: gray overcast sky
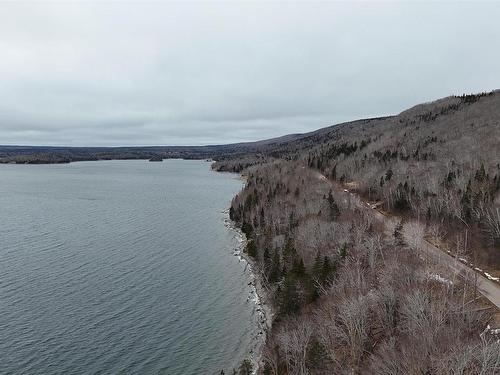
{"x": 206, "y": 73}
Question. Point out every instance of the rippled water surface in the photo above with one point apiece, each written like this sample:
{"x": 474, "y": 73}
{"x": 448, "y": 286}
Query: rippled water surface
{"x": 120, "y": 267}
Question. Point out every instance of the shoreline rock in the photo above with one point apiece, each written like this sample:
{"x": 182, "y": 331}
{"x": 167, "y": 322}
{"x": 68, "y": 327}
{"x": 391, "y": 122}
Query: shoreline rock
{"x": 263, "y": 308}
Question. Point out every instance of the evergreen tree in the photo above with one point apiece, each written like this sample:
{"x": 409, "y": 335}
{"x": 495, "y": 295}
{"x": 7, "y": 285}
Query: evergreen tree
{"x": 275, "y": 272}
{"x": 480, "y": 174}
{"x": 343, "y": 251}
{"x": 449, "y": 179}
{"x": 289, "y": 253}
{"x": 316, "y": 354}
{"x": 401, "y": 197}
{"x": 330, "y": 198}
{"x": 398, "y": 233}
{"x": 289, "y": 299}
{"x": 247, "y": 228}
{"x": 317, "y": 266}
{"x": 334, "y": 208}
{"x": 388, "y": 174}
{"x": 251, "y": 249}
{"x": 326, "y": 269}
{"x": 466, "y": 202}
{"x": 292, "y": 223}
{"x": 267, "y": 260}
{"x": 284, "y": 270}
{"x": 298, "y": 267}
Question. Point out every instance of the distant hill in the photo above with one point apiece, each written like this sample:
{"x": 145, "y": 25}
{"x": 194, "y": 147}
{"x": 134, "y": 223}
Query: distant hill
{"x": 448, "y": 118}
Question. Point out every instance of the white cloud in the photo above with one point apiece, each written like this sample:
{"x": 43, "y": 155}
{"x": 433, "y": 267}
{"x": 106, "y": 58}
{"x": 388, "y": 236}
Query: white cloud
{"x": 205, "y": 73}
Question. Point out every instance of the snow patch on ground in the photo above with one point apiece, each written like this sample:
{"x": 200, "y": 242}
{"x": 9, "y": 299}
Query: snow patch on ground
{"x": 493, "y": 278}
{"x": 491, "y": 332}
{"x": 439, "y": 279}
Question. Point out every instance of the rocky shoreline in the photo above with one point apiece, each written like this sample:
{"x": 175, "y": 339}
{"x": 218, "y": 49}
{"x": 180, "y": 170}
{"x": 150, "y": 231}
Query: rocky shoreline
{"x": 258, "y": 295}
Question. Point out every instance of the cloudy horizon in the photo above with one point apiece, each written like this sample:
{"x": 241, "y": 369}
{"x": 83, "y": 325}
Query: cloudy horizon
{"x": 163, "y": 73}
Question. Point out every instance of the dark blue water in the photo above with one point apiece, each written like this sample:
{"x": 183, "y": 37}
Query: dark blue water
{"x": 120, "y": 267}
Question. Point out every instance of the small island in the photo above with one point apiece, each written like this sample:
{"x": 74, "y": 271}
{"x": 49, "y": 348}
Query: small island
{"x": 156, "y": 158}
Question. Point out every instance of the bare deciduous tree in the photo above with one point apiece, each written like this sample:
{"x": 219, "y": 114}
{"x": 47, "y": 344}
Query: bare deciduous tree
{"x": 414, "y": 234}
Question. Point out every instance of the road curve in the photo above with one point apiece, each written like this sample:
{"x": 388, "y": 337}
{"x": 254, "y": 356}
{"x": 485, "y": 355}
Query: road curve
{"x": 489, "y": 289}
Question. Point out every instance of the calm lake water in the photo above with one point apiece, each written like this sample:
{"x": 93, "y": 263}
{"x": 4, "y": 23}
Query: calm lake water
{"x": 120, "y": 267}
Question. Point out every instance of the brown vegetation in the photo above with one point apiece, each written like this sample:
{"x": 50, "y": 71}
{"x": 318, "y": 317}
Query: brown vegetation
{"x": 438, "y": 162}
{"x": 348, "y": 299}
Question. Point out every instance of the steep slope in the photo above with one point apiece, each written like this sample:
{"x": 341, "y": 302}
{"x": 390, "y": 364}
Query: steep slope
{"x": 439, "y": 162}
{"x": 354, "y": 294}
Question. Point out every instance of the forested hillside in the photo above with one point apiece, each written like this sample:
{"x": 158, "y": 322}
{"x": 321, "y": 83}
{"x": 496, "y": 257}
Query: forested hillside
{"x": 439, "y": 162}
{"x": 350, "y": 294}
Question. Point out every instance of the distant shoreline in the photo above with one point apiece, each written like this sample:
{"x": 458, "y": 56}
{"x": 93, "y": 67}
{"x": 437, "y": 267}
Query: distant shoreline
{"x": 101, "y": 160}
